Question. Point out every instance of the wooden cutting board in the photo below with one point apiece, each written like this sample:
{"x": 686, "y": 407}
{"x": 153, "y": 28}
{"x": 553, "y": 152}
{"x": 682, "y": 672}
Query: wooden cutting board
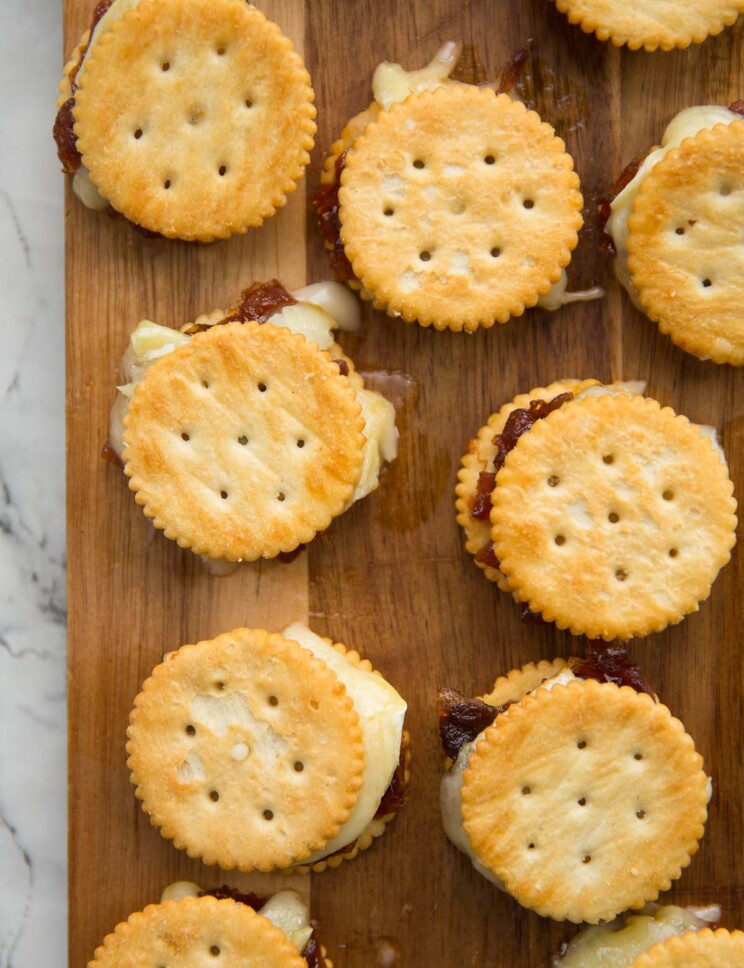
{"x": 390, "y": 577}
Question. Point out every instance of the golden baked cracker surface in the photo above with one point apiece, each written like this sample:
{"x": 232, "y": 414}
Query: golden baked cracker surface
{"x": 459, "y": 208}
{"x": 246, "y": 751}
{"x": 585, "y": 800}
{"x": 184, "y": 933}
{"x": 696, "y": 949}
{"x": 685, "y": 249}
{"x": 243, "y": 443}
{"x": 612, "y": 517}
{"x": 194, "y": 117}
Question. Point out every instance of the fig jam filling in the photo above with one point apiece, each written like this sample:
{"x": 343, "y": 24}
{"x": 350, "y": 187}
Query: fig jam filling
{"x": 604, "y": 209}
{"x": 462, "y": 718}
{"x": 257, "y": 304}
{"x": 326, "y": 205}
{"x": 311, "y": 952}
{"x": 64, "y": 123}
{"x": 510, "y": 74}
{"x": 737, "y": 107}
{"x": 518, "y": 422}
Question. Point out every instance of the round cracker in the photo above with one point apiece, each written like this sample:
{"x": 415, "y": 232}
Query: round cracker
{"x": 246, "y": 751}
{"x": 685, "y": 244}
{"x": 244, "y": 442}
{"x": 603, "y": 783}
{"x": 696, "y": 949}
{"x": 612, "y": 517}
{"x": 516, "y": 684}
{"x": 480, "y": 456}
{"x": 652, "y": 23}
{"x": 194, "y": 119}
{"x": 459, "y": 208}
{"x": 187, "y": 932}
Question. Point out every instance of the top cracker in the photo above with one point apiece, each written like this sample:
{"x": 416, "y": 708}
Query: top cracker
{"x": 459, "y": 208}
{"x": 194, "y": 118}
{"x": 652, "y": 24}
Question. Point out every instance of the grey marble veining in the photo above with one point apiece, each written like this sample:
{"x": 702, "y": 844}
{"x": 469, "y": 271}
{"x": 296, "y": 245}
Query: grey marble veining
{"x": 32, "y": 580}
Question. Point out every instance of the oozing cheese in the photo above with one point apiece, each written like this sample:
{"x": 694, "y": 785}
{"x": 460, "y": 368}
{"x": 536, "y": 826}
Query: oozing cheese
{"x": 286, "y": 910}
{"x": 686, "y": 124}
{"x": 381, "y": 712}
{"x": 619, "y": 943}
{"x": 557, "y": 296}
{"x": 450, "y": 790}
{"x": 150, "y": 342}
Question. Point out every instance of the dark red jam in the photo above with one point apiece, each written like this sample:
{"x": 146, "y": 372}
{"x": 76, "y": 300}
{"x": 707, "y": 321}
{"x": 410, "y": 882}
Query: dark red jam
{"x": 510, "y": 74}
{"x": 604, "y": 209}
{"x": 610, "y": 663}
{"x": 519, "y": 422}
{"x": 326, "y": 205}
{"x": 461, "y": 719}
{"x": 311, "y": 952}
{"x": 64, "y": 123}
{"x": 343, "y": 367}
{"x": 394, "y": 798}
{"x": 257, "y": 304}
{"x": 737, "y": 107}
{"x": 109, "y": 454}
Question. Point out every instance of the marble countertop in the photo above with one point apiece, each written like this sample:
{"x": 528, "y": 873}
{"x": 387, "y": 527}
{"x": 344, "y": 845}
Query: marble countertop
{"x": 33, "y": 823}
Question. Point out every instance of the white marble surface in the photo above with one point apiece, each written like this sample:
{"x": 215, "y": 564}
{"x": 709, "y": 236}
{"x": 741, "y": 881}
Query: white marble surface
{"x": 32, "y": 579}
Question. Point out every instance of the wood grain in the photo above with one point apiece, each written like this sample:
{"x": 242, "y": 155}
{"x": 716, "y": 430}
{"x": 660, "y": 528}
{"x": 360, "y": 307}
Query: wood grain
{"x": 391, "y": 577}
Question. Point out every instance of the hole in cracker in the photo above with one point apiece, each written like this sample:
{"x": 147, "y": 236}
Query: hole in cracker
{"x": 586, "y": 859}
{"x": 668, "y": 495}
{"x": 640, "y": 814}
{"x": 581, "y": 745}
{"x": 528, "y": 203}
{"x": 195, "y": 115}
{"x": 242, "y": 440}
{"x": 248, "y": 102}
{"x": 418, "y": 163}
{"x": 526, "y": 791}
{"x": 495, "y": 252}
{"x": 221, "y": 50}
{"x": 185, "y": 436}
{"x": 315, "y": 704}
{"x": 281, "y": 496}
{"x": 530, "y": 846}
{"x": 553, "y": 481}
{"x": 205, "y": 384}
{"x": 223, "y": 495}
{"x": 214, "y": 795}
{"x": 165, "y": 66}
{"x": 273, "y": 701}
{"x": 301, "y": 443}
{"x": 582, "y": 802}
{"x": 268, "y": 814}
{"x": 489, "y": 159}
{"x": 222, "y": 171}
{"x": 725, "y": 189}
{"x": 613, "y": 517}
{"x": 167, "y": 184}
{"x": 609, "y": 459}
{"x": 425, "y": 256}
{"x": 214, "y": 950}
{"x": 707, "y": 283}
{"x": 262, "y": 388}
{"x": 680, "y": 230}
{"x": 388, "y": 211}
{"x": 559, "y": 539}
{"x": 219, "y": 685}
{"x": 299, "y": 766}
{"x": 621, "y": 574}
{"x": 138, "y": 133}
{"x": 190, "y": 730}
{"x": 638, "y": 756}
{"x": 673, "y": 552}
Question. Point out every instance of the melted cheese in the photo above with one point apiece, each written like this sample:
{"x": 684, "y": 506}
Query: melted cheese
{"x": 150, "y": 342}
{"x": 619, "y": 943}
{"x": 381, "y": 712}
{"x": 557, "y": 296}
{"x": 686, "y": 124}
{"x": 450, "y": 790}
{"x": 391, "y": 83}
{"x": 286, "y": 910}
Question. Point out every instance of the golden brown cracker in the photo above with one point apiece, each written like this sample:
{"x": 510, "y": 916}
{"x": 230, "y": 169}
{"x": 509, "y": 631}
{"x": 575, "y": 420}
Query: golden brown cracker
{"x": 652, "y": 24}
{"x": 458, "y": 208}
{"x": 246, "y": 751}
{"x": 515, "y": 685}
{"x": 685, "y": 249}
{"x": 585, "y": 800}
{"x": 194, "y": 119}
{"x": 243, "y": 443}
{"x": 181, "y": 934}
{"x": 479, "y": 457}
{"x": 612, "y": 517}
{"x": 696, "y": 949}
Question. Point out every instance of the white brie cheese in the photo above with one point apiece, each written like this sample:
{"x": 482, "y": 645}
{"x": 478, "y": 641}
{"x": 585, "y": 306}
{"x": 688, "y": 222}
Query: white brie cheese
{"x": 381, "y": 713}
{"x": 391, "y": 83}
{"x": 686, "y": 124}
